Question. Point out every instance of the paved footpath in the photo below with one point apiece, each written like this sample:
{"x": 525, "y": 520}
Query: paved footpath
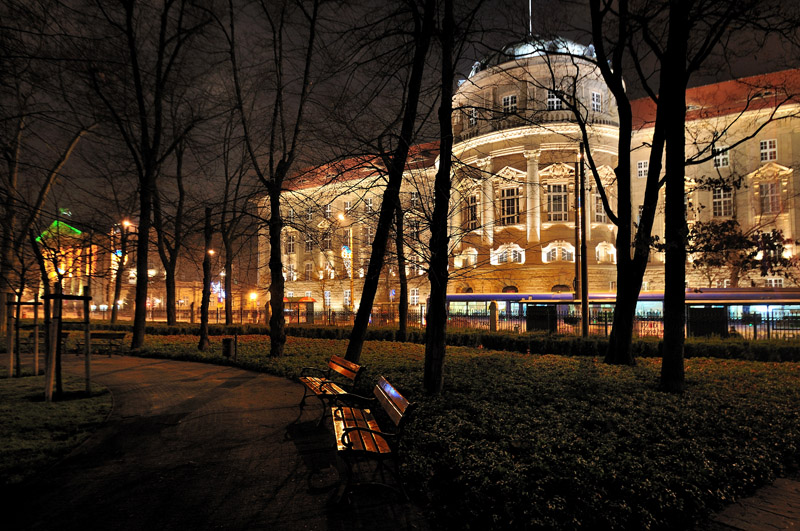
{"x": 196, "y": 446}
{"x": 774, "y": 507}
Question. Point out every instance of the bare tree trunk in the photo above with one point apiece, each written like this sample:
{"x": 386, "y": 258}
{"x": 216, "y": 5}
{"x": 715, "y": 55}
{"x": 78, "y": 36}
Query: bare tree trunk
{"x": 391, "y": 197}
{"x": 402, "y": 301}
{"x": 123, "y": 244}
{"x": 207, "y": 233}
{"x": 277, "y": 321}
{"x": 436, "y": 330}
{"x": 673, "y": 96}
{"x": 142, "y": 264}
{"x": 228, "y": 286}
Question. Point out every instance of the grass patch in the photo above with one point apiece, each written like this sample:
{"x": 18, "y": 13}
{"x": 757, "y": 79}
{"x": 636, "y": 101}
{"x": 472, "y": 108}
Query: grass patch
{"x": 35, "y": 434}
{"x": 557, "y": 442}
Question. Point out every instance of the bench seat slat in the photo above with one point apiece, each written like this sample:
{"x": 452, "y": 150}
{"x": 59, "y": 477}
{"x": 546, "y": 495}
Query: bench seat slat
{"x": 322, "y": 386}
{"x": 348, "y": 417}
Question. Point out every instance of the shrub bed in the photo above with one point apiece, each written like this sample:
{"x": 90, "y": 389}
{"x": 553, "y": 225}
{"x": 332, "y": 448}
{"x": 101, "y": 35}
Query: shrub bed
{"x": 565, "y": 442}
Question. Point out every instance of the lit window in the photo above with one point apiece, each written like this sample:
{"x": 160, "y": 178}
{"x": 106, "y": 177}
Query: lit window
{"x": 469, "y": 257}
{"x": 556, "y": 202}
{"x": 597, "y": 102}
{"x": 290, "y": 244}
{"x": 472, "y": 212}
{"x": 721, "y": 157}
{"x": 291, "y": 272}
{"x": 347, "y": 206}
{"x": 769, "y": 150}
{"x": 509, "y": 206}
{"x": 327, "y": 299}
{"x": 554, "y": 103}
{"x": 599, "y": 212}
{"x": 309, "y": 272}
{"x": 774, "y": 282}
{"x": 770, "y": 198}
{"x": 414, "y": 296}
{"x": 509, "y": 253}
{"x": 510, "y": 104}
{"x": 605, "y": 253}
{"x": 310, "y": 214}
{"x": 328, "y": 211}
{"x": 558, "y": 251}
{"x": 368, "y": 205}
{"x": 641, "y": 168}
{"x": 473, "y": 116}
{"x": 722, "y": 202}
{"x": 309, "y": 243}
{"x": 308, "y": 294}
{"x": 346, "y": 298}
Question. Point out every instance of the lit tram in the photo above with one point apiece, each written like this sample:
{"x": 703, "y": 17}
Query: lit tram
{"x": 743, "y": 311}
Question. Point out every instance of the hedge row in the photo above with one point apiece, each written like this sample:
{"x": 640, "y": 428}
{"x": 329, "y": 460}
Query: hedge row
{"x": 537, "y": 343}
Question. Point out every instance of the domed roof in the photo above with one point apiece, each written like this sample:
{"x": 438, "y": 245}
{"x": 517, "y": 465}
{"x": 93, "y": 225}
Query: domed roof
{"x": 531, "y": 47}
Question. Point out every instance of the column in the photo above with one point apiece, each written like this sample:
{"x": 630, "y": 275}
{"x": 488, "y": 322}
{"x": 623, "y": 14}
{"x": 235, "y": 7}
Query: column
{"x": 487, "y": 201}
{"x": 533, "y": 201}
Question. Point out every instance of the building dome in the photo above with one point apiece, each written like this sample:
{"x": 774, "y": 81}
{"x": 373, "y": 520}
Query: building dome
{"x": 532, "y": 47}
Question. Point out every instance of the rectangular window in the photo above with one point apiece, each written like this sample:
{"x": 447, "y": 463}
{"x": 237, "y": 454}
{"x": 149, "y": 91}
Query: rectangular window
{"x": 554, "y": 103}
{"x": 770, "y": 198}
{"x": 367, "y": 235}
{"x": 310, "y": 214}
{"x": 328, "y": 211}
{"x": 414, "y": 199}
{"x": 472, "y": 212}
{"x": 327, "y": 299}
{"x": 309, "y": 243}
{"x": 414, "y": 296}
{"x": 597, "y": 102}
{"x": 368, "y": 205}
{"x": 309, "y": 272}
{"x": 290, "y": 244}
{"x": 556, "y": 202}
{"x": 641, "y": 168}
{"x": 639, "y": 215}
{"x": 347, "y": 206}
{"x": 612, "y": 285}
{"x": 473, "y": 117}
{"x": 774, "y": 282}
{"x": 308, "y": 294}
{"x": 414, "y": 230}
{"x": 769, "y": 150}
{"x": 290, "y": 216}
{"x": 510, "y": 104}
{"x": 599, "y": 212}
{"x": 326, "y": 241}
{"x": 291, "y": 272}
{"x": 721, "y": 157}
{"x": 290, "y": 293}
{"x": 346, "y": 298}
{"x": 722, "y": 202}
{"x": 509, "y": 205}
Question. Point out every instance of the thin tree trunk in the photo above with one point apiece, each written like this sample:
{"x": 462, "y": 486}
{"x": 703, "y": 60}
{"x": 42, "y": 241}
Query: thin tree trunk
{"x": 123, "y": 244}
{"x": 277, "y": 320}
{"x": 673, "y": 97}
{"x": 436, "y": 329}
{"x": 402, "y": 301}
{"x": 142, "y": 263}
{"x": 391, "y": 197}
{"x": 207, "y": 233}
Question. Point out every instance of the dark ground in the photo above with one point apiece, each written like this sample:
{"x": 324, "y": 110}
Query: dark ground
{"x": 195, "y": 446}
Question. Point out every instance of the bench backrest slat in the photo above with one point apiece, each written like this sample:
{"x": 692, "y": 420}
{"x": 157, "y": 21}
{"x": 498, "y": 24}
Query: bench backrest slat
{"x": 393, "y": 402}
{"x": 346, "y": 368}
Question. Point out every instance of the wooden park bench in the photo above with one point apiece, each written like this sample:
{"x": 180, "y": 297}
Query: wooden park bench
{"x": 107, "y": 341}
{"x": 319, "y": 382}
{"x": 26, "y": 341}
{"x": 358, "y": 435}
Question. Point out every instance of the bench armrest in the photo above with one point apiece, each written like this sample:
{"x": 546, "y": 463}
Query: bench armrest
{"x": 305, "y": 371}
{"x": 346, "y": 435}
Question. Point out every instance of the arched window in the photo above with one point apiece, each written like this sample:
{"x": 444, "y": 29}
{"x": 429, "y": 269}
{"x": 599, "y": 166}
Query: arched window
{"x": 510, "y": 289}
{"x": 468, "y": 257}
{"x": 605, "y": 253}
{"x": 507, "y": 254}
{"x": 558, "y": 251}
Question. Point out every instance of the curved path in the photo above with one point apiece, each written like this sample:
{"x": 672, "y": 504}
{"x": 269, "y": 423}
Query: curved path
{"x": 196, "y": 446}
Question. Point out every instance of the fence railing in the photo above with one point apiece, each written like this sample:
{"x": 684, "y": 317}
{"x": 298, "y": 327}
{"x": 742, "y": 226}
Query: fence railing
{"x": 722, "y": 320}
